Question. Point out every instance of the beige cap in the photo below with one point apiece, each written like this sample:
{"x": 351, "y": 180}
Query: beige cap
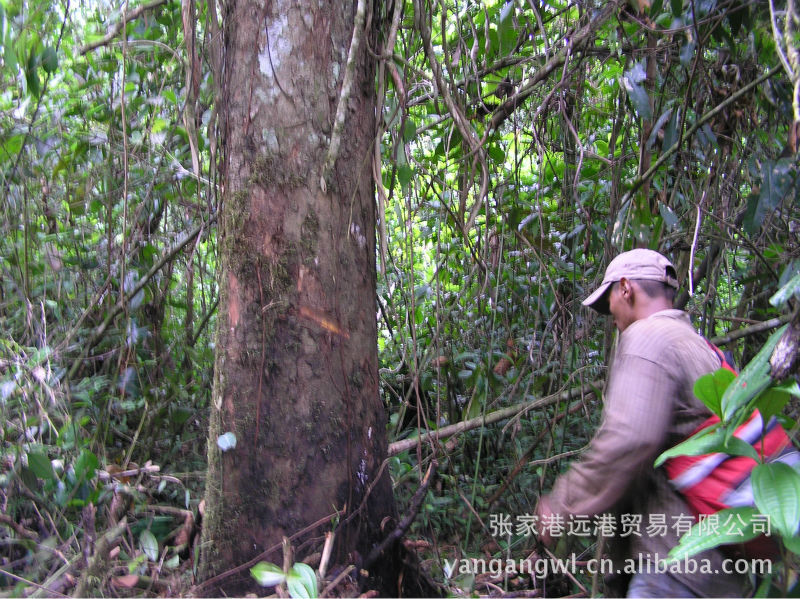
{"x": 639, "y": 264}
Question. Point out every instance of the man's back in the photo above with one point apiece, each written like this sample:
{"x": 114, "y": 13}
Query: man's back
{"x": 649, "y": 407}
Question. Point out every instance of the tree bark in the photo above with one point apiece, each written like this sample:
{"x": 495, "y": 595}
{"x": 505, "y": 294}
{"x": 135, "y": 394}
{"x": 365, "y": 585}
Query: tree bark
{"x": 296, "y": 377}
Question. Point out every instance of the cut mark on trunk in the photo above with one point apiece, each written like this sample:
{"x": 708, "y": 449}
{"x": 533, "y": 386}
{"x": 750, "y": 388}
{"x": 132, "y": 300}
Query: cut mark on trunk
{"x": 323, "y": 320}
{"x": 233, "y": 303}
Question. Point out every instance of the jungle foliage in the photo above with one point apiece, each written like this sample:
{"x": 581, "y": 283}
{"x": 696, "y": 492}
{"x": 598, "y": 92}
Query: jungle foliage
{"x": 521, "y": 145}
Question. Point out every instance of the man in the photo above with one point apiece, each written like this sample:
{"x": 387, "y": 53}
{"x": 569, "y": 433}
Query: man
{"x": 649, "y": 406}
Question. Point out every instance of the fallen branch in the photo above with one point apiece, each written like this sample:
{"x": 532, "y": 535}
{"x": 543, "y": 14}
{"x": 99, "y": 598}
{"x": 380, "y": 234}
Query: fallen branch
{"x": 98, "y": 566}
{"x": 405, "y": 523}
{"x": 18, "y": 528}
{"x": 114, "y": 32}
{"x": 490, "y": 418}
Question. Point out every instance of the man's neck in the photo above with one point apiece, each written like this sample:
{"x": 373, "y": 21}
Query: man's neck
{"x": 647, "y": 309}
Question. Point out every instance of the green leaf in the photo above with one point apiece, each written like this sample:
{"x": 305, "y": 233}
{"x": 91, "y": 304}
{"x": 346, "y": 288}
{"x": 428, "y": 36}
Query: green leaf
{"x": 505, "y": 29}
{"x": 11, "y": 145}
{"x": 409, "y": 130}
{"x": 149, "y": 545}
{"x": 792, "y": 544}
{"x": 735, "y": 446}
{"x": 752, "y": 380}
{"x": 776, "y": 490}
{"x": 785, "y": 293}
{"x": 49, "y": 59}
{"x": 497, "y": 154}
{"x": 639, "y": 98}
{"x": 85, "y": 465}
{"x": 701, "y": 537}
{"x": 404, "y": 175}
{"x": 710, "y": 388}
{"x": 32, "y": 75}
{"x": 709, "y": 440}
{"x": 302, "y": 582}
{"x": 41, "y": 466}
{"x": 267, "y": 574}
{"x": 771, "y": 402}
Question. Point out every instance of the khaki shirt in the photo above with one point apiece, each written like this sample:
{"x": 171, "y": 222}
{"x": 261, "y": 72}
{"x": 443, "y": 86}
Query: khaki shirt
{"x": 649, "y": 407}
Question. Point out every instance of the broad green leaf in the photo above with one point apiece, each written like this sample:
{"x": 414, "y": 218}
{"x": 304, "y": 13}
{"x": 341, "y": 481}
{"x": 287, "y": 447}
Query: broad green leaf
{"x": 301, "y": 581}
{"x": 267, "y": 574}
{"x": 226, "y": 441}
{"x": 85, "y": 465}
{"x": 49, "y": 59}
{"x": 792, "y": 544}
{"x": 785, "y": 293}
{"x": 41, "y": 466}
{"x": 409, "y": 130}
{"x": 12, "y": 145}
{"x": 736, "y": 526}
{"x": 655, "y": 8}
{"x": 735, "y": 446}
{"x": 709, "y": 440}
{"x": 710, "y": 388}
{"x": 496, "y": 153}
{"x": 149, "y": 545}
{"x": 752, "y": 380}
{"x": 638, "y": 97}
{"x": 771, "y": 402}
{"x": 404, "y": 175}
{"x": 776, "y": 490}
{"x": 506, "y": 33}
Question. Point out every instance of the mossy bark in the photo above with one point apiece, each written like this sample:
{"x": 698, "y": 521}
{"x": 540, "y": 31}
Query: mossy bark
{"x": 296, "y": 356}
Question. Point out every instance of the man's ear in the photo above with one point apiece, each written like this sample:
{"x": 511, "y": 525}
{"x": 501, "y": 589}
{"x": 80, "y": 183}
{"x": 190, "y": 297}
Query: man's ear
{"x": 626, "y": 288}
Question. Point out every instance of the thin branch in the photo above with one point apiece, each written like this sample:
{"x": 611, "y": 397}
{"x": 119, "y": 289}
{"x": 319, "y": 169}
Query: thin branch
{"x": 772, "y": 323}
{"x": 204, "y": 322}
{"x": 114, "y": 32}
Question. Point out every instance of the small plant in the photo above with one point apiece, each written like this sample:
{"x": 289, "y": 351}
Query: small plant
{"x": 301, "y": 581}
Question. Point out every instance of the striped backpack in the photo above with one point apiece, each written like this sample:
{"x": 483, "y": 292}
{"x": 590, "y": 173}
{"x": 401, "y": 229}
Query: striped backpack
{"x": 713, "y": 482}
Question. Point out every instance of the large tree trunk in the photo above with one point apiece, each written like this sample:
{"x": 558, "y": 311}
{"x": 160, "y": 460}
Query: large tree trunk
{"x": 296, "y": 357}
